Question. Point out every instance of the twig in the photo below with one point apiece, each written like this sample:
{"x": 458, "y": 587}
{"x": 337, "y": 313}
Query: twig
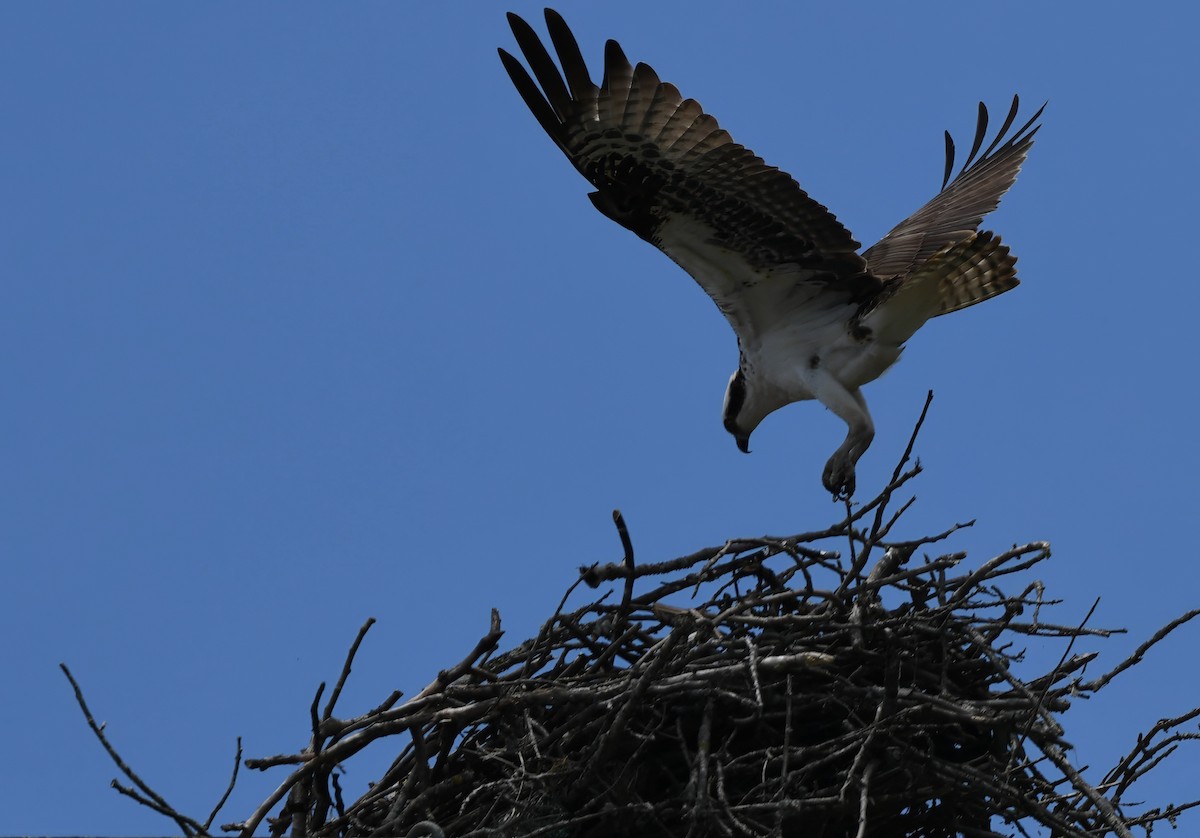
{"x": 1053, "y": 676}
{"x": 627, "y": 561}
{"x": 237, "y": 761}
{"x": 149, "y": 797}
{"x": 1140, "y": 652}
{"x": 341, "y": 682}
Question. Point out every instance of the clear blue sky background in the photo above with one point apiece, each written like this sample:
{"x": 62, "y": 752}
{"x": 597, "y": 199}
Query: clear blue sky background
{"x": 304, "y": 320}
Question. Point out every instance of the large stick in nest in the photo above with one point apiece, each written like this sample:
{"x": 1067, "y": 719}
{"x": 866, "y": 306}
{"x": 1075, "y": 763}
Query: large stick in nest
{"x": 766, "y": 686}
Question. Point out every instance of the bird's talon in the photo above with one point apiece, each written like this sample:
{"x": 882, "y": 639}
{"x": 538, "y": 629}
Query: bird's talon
{"x": 839, "y": 479}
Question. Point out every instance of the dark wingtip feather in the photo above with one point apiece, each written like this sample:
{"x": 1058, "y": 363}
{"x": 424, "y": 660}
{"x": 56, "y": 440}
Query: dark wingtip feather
{"x": 949, "y": 158}
{"x": 569, "y": 55}
{"x": 1008, "y": 121}
{"x": 533, "y": 97}
{"x": 542, "y": 65}
{"x": 1031, "y": 121}
{"x": 611, "y": 47}
{"x": 981, "y": 126}
{"x": 614, "y": 59}
{"x": 1002, "y": 141}
{"x": 517, "y": 24}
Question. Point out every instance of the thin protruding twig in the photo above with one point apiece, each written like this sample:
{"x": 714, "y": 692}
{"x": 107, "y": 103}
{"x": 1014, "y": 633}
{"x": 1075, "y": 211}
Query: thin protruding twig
{"x": 188, "y": 825}
{"x": 886, "y": 494}
{"x": 237, "y": 762}
{"x": 1140, "y": 652}
{"x": 627, "y": 560}
{"x": 341, "y": 681}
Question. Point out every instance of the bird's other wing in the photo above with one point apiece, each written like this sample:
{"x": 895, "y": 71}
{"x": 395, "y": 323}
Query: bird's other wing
{"x": 978, "y": 269}
{"x": 960, "y": 274}
{"x": 664, "y": 169}
{"x": 956, "y": 211}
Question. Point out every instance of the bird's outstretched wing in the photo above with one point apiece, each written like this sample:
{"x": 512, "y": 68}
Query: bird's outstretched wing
{"x": 957, "y": 210}
{"x": 665, "y": 170}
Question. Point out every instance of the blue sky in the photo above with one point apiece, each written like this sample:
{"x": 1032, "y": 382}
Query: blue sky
{"x": 303, "y": 320}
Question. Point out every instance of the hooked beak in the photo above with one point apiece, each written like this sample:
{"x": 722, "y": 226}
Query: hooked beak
{"x": 743, "y": 442}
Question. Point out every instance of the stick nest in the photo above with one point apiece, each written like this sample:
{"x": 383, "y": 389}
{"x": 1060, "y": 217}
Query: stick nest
{"x": 832, "y": 683}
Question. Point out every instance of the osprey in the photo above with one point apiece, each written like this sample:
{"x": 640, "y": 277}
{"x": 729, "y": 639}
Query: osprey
{"x": 814, "y": 318}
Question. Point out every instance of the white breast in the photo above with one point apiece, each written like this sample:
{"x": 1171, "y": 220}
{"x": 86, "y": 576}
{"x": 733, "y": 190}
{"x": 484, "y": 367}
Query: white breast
{"x": 782, "y": 360}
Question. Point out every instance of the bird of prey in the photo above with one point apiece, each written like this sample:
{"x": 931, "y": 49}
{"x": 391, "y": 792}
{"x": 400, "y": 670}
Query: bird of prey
{"x": 814, "y": 318}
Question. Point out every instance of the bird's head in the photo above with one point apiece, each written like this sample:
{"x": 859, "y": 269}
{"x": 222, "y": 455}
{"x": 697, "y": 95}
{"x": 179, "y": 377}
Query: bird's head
{"x": 741, "y": 412}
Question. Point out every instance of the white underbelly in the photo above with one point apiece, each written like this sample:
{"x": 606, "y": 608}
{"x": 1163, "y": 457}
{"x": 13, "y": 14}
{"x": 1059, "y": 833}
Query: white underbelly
{"x": 783, "y": 360}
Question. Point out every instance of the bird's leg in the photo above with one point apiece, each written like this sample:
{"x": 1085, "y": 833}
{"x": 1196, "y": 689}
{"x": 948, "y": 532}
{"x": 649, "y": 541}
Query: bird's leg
{"x": 848, "y": 403}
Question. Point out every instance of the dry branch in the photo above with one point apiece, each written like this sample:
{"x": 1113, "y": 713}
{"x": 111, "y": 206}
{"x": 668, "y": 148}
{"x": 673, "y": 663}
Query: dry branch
{"x": 763, "y": 687}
